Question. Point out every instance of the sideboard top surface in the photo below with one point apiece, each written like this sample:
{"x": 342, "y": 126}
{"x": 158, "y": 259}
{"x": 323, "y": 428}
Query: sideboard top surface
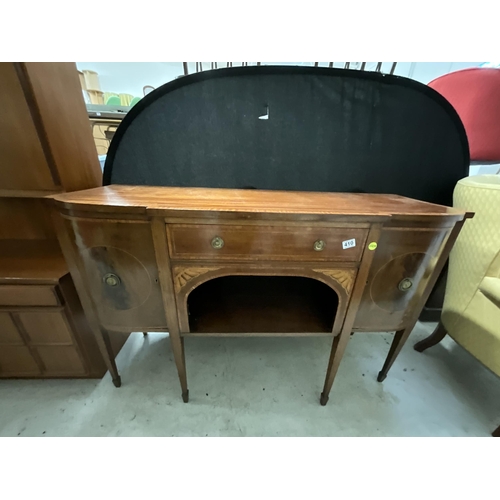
{"x": 141, "y": 199}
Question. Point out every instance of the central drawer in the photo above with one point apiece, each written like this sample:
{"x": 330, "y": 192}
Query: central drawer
{"x": 207, "y": 241}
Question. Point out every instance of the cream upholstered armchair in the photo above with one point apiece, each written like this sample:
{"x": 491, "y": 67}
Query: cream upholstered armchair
{"x": 471, "y": 311}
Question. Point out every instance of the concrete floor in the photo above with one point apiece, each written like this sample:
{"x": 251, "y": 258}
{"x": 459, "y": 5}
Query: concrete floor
{"x": 264, "y": 387}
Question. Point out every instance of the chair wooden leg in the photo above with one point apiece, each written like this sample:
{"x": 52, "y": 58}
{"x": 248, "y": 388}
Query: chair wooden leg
{"x": 398, "y": 342}
{"x": 496, "y": 432}
{"x": 434, "y": 338}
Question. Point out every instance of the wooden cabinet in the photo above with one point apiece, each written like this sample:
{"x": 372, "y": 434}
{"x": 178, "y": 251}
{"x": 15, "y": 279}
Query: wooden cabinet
{"x": 46, "y": 147}
{"x": 44, "y": 342}
{"x": 43, "y": 330}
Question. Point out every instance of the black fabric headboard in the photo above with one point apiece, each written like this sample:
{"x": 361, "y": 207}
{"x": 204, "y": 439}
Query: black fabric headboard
{"x": 326, "y": 130}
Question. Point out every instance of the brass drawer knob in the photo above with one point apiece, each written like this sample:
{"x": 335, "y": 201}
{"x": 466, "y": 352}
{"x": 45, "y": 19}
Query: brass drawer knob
{"x": 319, "y": 245}
{"x": 217, "y": 243}
{"x": 111, "y": 279}
{"x": 405, "y": 284}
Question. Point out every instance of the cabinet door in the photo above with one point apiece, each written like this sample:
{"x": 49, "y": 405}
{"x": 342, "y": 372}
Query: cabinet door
{"x": 122, "y": 251}
{"x": 15, "y": 357}
{"x": 48, "y": 327}
{"x": 402, "y": 254}
{"x": 17, "y": 361}
{"x": 9, "y": 333}
{"x": 61, "y": 361}
{"x": 49, "y": 334}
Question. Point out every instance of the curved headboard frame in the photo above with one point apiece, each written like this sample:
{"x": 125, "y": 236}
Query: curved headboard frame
{"x": 185, "y": 81}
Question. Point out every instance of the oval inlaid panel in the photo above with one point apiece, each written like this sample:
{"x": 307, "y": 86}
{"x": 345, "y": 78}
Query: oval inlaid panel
{"x": 385, "y": 291}
{"x": 134, "y": 285}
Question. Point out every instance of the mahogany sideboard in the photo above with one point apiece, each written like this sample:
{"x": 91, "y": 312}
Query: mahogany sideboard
{"x": 208, "y": 262}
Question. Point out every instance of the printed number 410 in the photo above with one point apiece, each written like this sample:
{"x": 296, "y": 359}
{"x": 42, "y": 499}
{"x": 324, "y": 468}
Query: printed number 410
{"x": 348, "y": 243}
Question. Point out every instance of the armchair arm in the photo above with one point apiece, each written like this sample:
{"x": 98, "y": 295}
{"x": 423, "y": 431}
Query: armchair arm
{"x": 494, "y": 269}
{"x": 490, "y": 284}
{"x": 490, "y": 287}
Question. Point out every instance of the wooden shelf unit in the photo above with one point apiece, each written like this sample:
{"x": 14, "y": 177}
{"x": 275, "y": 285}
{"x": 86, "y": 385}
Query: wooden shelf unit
{"x": 46, "y": 147}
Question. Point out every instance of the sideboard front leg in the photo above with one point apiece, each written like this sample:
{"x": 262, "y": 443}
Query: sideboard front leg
{"x": 341, "y": 340}
{"x": 338, "y": 348}
{"x": 159, "y": 233}
{"x": 398, "y": 342}
{"x": 177, "y": 343}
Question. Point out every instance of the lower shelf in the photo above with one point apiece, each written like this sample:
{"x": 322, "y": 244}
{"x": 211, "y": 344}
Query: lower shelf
{"x": 262, "y": 304}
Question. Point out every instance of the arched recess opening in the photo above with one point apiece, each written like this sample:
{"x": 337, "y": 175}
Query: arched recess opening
{"x": 262, "y": 304}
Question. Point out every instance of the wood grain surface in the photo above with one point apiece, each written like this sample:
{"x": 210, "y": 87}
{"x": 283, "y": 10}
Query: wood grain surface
{"x": 142, "y": 198}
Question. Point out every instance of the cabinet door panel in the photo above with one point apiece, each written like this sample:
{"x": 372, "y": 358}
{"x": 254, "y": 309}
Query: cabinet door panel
{"x": 123, "y": 250}
{"x": 8, "y": 331}
{"x": 61, "y": 361}
{"x": 17, "y": 361}
{"x": 46, "y": 327}
{"x": 401, "y": 255}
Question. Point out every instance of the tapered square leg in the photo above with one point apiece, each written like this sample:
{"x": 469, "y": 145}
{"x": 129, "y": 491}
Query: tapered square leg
{"x": 168, "y": 296}
{"x": 177, "y": 343}
{"x": 104, "y": 344}
{"x": 338, "y": 348}
{"x": 400, "y": 337}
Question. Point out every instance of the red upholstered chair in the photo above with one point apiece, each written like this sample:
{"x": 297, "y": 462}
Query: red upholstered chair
{"x": 475, "y": 94}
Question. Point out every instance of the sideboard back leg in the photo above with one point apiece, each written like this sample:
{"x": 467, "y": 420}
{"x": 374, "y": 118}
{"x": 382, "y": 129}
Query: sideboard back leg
{"x": 434, "y": 338}
{"x": 109, "y": 357}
